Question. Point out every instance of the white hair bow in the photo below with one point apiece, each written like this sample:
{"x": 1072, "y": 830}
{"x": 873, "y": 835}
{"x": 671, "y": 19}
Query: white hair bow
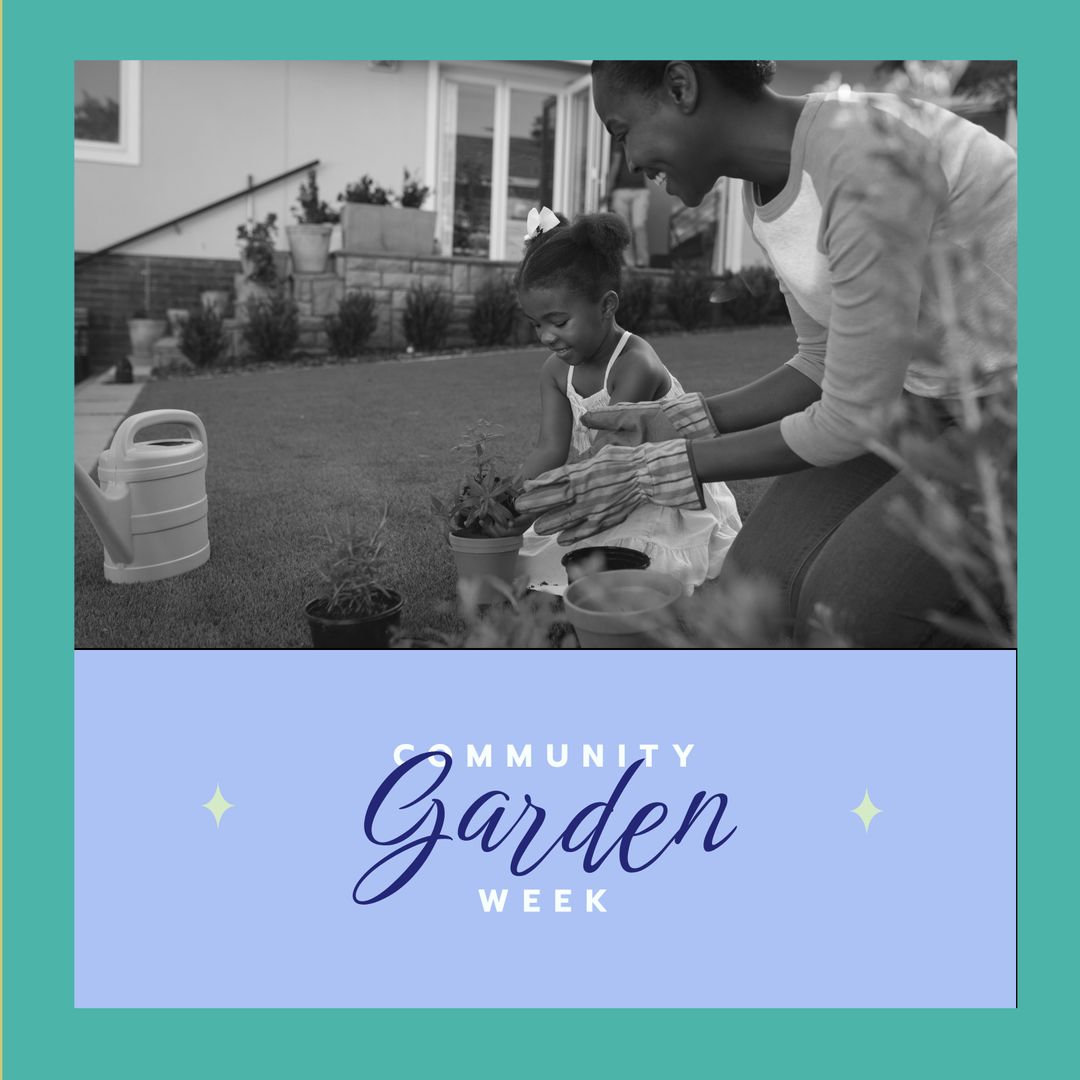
{"x": 540, "y": 221}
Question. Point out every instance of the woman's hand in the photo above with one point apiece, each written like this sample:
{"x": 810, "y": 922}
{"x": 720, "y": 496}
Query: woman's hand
{"x": 578, "y": 501}
{"x": 634, "y": 423}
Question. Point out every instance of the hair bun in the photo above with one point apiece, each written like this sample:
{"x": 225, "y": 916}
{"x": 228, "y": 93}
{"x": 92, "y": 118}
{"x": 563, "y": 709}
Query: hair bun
{"x": 606, "y": 233}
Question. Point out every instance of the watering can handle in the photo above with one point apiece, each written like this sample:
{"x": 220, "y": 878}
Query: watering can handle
{"x": 125, "y": 433}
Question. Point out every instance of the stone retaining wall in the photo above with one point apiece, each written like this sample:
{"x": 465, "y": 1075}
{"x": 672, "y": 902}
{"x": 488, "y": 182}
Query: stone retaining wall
{"x": 110, "y": 288}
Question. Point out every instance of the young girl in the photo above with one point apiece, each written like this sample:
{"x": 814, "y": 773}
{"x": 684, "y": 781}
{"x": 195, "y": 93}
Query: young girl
{"x": 568, "y": 286}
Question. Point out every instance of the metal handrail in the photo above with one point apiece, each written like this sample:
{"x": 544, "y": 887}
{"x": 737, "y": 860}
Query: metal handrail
{"x": 195, "y": 213}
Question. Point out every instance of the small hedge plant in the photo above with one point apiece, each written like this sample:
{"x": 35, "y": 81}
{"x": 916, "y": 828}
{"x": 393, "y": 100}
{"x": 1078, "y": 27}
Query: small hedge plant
{"x": 491, "y": 321}
{"x": 202, "y": 337}
{"x": 349, "y": 329}
{"x": 635, "y": 302}
{"x": 426, "y": 318}
{"x": 689, "y": 295}
{"x": 755, "y": 297}
{"x": 272, "y": 329}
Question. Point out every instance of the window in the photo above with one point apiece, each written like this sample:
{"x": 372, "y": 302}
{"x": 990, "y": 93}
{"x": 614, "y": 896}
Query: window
{"x": 107, "y": 111}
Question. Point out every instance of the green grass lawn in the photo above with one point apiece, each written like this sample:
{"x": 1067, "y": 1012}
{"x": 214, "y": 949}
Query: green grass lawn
{"x": 290, "y": 449}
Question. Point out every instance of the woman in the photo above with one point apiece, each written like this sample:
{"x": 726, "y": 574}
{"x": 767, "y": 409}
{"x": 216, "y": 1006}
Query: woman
{"x": 892, "y": 229}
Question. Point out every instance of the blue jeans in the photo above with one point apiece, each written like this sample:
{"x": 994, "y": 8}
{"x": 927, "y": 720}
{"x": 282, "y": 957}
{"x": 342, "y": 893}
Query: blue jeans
{"x": 823, "y": 537}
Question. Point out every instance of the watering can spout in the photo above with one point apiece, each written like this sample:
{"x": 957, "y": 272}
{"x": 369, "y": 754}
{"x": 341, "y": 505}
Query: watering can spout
{"x": 110, "y": 513}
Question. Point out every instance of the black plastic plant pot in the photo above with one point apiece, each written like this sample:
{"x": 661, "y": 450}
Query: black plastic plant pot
{"x": 354, "y": 632}
{"x": 592, "y": 560}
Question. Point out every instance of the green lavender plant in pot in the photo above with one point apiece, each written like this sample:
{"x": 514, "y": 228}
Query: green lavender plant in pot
{"x": 484, "y": 529}
{"x": 258, "y": 278}
{"x": 309, "y": 238}
{"x": 356, "y": 609}
{"x": 257, "y": 242}
{"x": 413, "y": 193}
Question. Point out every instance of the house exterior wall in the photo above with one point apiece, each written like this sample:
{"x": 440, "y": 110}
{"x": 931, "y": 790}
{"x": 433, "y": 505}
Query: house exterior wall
{"x": 208, "y": 125}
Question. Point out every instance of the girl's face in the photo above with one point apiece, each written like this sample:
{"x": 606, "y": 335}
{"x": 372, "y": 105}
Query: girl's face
{"x": 569, "y": 324}
{"x": 659, "y": 138}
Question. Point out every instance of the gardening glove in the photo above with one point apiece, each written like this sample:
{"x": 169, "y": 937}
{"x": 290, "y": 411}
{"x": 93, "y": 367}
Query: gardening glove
{"x": 634, "y": 423}
{"x": 583, "y": 499}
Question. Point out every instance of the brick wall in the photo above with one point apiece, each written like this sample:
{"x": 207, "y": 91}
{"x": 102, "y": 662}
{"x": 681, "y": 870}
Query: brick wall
{"x": 111, "y": 288}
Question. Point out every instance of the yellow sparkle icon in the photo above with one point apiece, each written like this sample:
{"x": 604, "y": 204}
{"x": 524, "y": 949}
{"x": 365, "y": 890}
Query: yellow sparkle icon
{"x": 866, "y": 810}
{"x": 217, "y": 805}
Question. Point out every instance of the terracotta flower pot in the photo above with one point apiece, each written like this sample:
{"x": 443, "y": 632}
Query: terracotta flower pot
{"x": 482, "y": 558}
{"x": 177, "y": 317}
{"x": 216, "y": 300}
{"x": 352, "y": 632}
{"x": 621, "y": 609}
{"x": 143, "y": 334}
{"x": 309, "y": 246}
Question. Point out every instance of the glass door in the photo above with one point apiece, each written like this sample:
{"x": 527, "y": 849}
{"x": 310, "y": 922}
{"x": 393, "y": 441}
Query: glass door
{"x": 584, "y": 151}
{"x": 507, "y": 144}
{"x": 467, "y": 163}
{"x": 530, "y": 174}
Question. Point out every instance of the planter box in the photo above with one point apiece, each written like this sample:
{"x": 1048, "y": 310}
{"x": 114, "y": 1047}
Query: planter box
{"x": 387, "y": 230}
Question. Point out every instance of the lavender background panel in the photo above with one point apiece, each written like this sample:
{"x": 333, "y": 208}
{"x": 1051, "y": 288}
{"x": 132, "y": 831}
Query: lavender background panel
{"x": 801, "y": 907}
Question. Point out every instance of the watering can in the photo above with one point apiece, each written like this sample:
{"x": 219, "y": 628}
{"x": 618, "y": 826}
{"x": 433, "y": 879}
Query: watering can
{"x": 150, "y": 510}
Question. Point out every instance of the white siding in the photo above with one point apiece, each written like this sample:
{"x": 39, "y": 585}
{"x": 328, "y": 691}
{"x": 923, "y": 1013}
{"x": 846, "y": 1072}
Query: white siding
{"x": 206, "y": 125}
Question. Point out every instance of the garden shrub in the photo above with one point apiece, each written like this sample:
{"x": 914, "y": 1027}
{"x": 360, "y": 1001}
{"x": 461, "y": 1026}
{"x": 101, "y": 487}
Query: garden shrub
{"x": 272, "y": 329}
{"x": 688, "y": 297}
{"x": 202, "y": 337}
{"x": 349, "y": 329}
{"x": 635, "y": 302}
{"x": 755, "y": 297}
{"x": 426, "y": 318}
{"x": 491, "y": 321}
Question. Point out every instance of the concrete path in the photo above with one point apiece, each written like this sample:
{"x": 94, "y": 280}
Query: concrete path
{"x": 100, "y": 405}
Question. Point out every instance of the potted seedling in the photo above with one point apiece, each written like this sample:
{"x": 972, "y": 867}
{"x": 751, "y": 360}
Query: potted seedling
{"x": 372, "y": 224}
{"x": 258, "y": 264}
{"x": 484, "y": 530}
{"x": 309, "y": 238}
{"x": 355, "y": 609}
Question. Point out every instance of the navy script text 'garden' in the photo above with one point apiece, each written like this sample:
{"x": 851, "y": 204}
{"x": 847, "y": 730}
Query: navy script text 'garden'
{"x": 484, "y": 818}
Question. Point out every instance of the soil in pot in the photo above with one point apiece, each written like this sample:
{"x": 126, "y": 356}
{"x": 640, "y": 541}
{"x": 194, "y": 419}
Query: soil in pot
{"x": 481, "y": 558}
{"x": 621, "y": 609}
{"x": 594, "y": 560}
{"x": 352, "y": 632}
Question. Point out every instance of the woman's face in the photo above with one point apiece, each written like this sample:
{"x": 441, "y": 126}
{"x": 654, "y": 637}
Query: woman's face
{"x": 658, "y": 138}
{"x": 569, "y": 324}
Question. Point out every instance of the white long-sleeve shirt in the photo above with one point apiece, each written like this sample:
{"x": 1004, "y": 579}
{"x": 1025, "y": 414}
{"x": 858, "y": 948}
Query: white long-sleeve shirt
{"x": 894, "y": 240}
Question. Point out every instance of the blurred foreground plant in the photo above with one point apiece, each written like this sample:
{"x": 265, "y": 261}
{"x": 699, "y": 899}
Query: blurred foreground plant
{"x": 962, "y": 461}
{"x": 746, "y": 614}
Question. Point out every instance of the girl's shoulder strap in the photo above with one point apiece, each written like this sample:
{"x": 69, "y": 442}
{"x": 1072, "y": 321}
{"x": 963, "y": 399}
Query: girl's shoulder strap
{"x": 615, "y": 356}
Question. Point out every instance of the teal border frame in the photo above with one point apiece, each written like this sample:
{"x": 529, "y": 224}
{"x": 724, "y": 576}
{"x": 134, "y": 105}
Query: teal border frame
{"x": 45, "y": 1035}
